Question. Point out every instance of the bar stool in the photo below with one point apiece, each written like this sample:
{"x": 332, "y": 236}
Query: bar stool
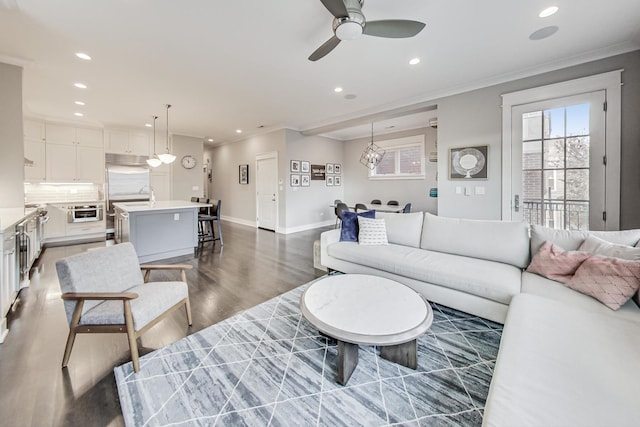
{"x": 205, "y": 222}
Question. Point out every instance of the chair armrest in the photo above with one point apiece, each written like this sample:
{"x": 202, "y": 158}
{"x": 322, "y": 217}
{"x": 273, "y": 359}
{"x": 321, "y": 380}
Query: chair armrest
{"x": 182, "y": 267}
{"x": 84, "y": 296}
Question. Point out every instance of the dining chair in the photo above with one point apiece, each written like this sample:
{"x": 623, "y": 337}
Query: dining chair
{"x": 393, "y": 203}
{"x": 361, "y": 207}
{"x": 407, "y": 208}
{"x": 376, "y": 202}
{"x": 340, "y": 207}
{"x": 104, "y": 291}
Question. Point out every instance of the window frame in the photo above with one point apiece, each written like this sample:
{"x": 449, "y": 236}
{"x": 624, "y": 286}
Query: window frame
{"x": 397, "y": 145}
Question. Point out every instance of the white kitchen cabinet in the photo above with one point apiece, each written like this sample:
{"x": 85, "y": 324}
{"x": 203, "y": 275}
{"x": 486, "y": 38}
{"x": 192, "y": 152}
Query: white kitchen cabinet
{"x": 8, "y": 277}
{"x": 34, "y": 150}
{"x": 34, "y": 130}
{"x": 124, "y": 142}
{"x": 74, "y": 163}
{"x": 70, "y": 135}
{"x": 56, "y": 226}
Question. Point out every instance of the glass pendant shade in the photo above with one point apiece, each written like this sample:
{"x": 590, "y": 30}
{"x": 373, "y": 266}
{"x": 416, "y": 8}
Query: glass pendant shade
{"x": 372, "y": 154}
{"x": 167, "y": 158}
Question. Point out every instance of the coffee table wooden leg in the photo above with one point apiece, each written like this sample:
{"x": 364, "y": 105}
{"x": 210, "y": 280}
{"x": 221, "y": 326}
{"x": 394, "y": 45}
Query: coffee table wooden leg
{"x": 403, "y": 354}
{"x": 347, "y": 361}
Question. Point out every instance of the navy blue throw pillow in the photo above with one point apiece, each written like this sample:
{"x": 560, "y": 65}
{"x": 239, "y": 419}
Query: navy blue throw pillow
{"x": 349, "y": 231}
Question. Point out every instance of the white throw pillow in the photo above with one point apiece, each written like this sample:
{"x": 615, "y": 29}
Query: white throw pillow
{"x": 403, "y": 229}
{"x": 601, "y": 247}
{"x": 372, "y": 231}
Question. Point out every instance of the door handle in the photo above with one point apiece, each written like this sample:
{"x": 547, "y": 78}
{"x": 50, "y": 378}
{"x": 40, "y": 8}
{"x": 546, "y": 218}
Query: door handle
{"x": 516, "y": 203}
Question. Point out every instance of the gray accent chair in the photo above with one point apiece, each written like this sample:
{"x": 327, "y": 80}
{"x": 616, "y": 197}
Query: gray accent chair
{"x": 104, "y": 291}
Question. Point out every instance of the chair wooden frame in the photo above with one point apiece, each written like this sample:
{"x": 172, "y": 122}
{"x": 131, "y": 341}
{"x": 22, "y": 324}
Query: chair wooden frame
{"x": 76, "y": 328}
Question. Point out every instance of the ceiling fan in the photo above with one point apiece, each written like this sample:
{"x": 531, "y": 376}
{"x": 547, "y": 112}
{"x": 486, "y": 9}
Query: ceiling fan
{"x": 349, "y": 23}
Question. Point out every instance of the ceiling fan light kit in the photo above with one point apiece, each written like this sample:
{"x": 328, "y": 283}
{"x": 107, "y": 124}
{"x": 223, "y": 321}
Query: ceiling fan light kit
{"x": 350, "y": 23}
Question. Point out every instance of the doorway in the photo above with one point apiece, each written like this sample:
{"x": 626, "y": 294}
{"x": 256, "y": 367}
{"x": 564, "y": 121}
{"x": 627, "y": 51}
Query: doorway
{"x": 561, "y": 154}
{"x": 267, "y": 191}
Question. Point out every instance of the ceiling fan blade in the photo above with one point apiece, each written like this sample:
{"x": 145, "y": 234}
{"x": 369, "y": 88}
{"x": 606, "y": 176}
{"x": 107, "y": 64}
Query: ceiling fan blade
{"x": 336, "y": 7}
{"x": 327, "y": 47}
{"x": 393, "y": 28}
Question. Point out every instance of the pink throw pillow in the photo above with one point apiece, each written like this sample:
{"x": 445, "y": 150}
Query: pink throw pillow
{"x": 612, "y": 281}
{"x": 555, "y": 263}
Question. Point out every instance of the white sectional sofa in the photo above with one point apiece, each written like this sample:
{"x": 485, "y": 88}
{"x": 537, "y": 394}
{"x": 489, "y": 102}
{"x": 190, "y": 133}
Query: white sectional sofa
{"x": 565, "y": 359}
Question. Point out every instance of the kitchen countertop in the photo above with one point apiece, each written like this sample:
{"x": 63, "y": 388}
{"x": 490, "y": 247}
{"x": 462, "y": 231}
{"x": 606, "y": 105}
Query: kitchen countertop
{"x": 158, "y": 206}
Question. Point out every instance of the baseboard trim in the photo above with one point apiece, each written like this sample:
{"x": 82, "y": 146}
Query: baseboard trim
{"x": 291, "y": 230}
{"x": 239, "y": 221}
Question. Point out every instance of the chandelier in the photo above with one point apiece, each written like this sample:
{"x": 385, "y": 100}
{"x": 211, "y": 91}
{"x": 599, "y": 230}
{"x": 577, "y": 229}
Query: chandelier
{"x": 372, "y": 154}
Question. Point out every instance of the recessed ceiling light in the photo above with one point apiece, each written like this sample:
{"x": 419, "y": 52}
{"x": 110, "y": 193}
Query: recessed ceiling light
{"x": 80, "y": 85}
{"x": 78, "y": 114}
{"x": 79, "y": 103}
{"x": 414, "y": 61}
{"x": 338, "y": 90}
{"x": 210, "y": 139}
{"x": 548, "y": 11}
{"x": 238, "y": 130}
{"x": 83, "y": 56}
{"x": 149, "y": 125}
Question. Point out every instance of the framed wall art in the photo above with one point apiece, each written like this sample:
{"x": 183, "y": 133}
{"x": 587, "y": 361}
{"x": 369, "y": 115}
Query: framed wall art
{"x": 295, "y": 165}
{"x": 468, "y": 162}
{"x": 329, "y": 168}
{"x": 330, "y": 181}
{"x": 295, "y": 180}
{"x": 317, "y": 172}
{"x": 305, "y": 180}
{"x": 337, "y": 168}
{"x": 243, "y": 174}
{"x": 305, "y": 167}
{"x": 337, "y": 180}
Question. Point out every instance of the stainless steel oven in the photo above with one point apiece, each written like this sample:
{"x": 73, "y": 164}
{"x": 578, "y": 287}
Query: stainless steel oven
{"x": 85, "y": 213}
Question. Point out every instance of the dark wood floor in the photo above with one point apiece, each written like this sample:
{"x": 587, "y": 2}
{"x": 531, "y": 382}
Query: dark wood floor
{"x": 254, "y": 266}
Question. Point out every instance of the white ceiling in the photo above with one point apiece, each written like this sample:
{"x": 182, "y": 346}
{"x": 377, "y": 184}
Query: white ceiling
{"x": 227, "y": 65}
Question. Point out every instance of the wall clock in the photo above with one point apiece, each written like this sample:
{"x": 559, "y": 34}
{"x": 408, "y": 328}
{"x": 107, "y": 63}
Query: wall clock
{"x": 189, "y": 162}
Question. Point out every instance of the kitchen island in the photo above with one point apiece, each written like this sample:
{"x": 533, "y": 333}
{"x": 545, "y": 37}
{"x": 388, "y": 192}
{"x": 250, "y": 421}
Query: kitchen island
{"x": 158, "y": 230}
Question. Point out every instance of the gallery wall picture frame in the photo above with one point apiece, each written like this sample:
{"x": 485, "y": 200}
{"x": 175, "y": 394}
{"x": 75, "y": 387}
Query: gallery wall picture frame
{"x": 337, "y": 168}
{"x": 243, "y": 174}
{"x": 468, "y": 163}
{"x": 329, "y": 168}
{"x": 295, "y": 180}
{"x": 295, "y": 166}
{"x": 305, "y": 166}
{"x": 317, "y": 172}
{"x": 337, "y": 180}
{"x": 305, "y": 180}
{"x": 330, "y": 182}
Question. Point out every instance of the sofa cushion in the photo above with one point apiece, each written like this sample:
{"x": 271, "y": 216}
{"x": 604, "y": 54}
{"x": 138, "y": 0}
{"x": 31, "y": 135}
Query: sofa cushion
{"x": 556, "y": 264}
{"x": 612, "y": 281}
{"x": 403, "y": 229}
{"x": 372, "y": 231}
{"x": 597, "y": 246}
{"x": 492, "y": 280}
{"x": 570, "y": 240}
{"x": 538, "y": 285}
{"x": 154, "y": 298}
{"x": 349, "y": 225}
{"x": 501, "y": 241}
{"x": 562, "y": 366}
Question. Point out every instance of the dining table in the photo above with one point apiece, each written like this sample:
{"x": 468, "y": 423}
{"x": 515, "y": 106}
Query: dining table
{"x": 379, "y": 208}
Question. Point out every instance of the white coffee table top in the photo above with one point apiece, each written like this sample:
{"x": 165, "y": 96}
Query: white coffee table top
{"x": 363, "y": 309}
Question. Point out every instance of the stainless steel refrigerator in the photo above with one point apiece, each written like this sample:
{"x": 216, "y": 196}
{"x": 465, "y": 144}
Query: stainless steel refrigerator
{"x": 127, "y": 181}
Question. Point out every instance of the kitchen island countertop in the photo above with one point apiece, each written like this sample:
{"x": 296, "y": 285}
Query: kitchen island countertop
{"x": 158, "y": 205}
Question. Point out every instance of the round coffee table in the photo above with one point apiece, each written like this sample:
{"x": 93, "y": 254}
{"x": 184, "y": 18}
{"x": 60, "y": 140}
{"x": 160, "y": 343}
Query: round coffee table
{"x": 369, "y": 310}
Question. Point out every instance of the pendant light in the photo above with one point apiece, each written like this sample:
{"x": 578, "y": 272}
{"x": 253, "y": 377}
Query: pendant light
{"x": 154, "y": 161}
{"x": 167, "y": 157}
{"x": 372, "y": 154}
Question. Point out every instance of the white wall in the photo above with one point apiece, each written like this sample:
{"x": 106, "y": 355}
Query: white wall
{"x": 186, "y": 183}
{"x": 308, "y": 207}
{"x": 475, "y": 118}
{"x": 11, "y": 137}
{"x": 359, "y": 189}
{"x": 239, "y": 201}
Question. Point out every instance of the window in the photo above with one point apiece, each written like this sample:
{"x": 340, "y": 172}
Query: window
{"x": 403, "y": 159}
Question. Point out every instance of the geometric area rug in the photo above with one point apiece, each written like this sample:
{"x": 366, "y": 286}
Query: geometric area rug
{"x": 268, "y": 366}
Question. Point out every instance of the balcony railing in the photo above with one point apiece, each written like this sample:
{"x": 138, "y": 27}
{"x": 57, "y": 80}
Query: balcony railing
{"x": 557, "y": 214}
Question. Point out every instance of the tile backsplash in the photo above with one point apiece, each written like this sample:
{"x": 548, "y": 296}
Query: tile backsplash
{"x": 50, "y": 193}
